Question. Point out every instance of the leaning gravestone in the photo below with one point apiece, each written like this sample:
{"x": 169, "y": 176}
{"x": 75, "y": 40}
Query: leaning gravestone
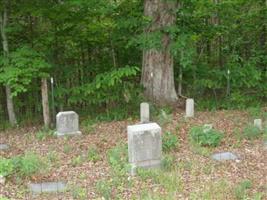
{"x": 144, "y": 112}
{"x": 258, "y": 123}
{"x": 189, "y": 108}
{"x": 67, "y": 123}
{"x": 144, "y": 146}
{"x": 46, "y": 187}
{"x": 224, "y": 156}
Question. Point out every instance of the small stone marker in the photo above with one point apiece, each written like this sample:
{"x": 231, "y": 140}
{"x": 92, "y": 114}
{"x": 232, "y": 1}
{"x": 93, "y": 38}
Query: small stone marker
{"x": 4, "y": 147}
{"x": 224, "y": 156}
{"x": 258, "y": 123}
{"x": 207, "y": 128}
{"x": 36, "y": 188}
{"x": 2, "y": 180}
{"x": 67, "y": 123}
{"x": 144, "y": 146}
{"x": 144, "y": 112}
{"x": 189, "y": 108}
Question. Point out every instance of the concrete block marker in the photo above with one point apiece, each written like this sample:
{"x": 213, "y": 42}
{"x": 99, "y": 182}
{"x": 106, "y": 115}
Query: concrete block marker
{"x": 47, "y": 187}
{"x": 258, "y": 123}
{"x": 4, "y": 147}
{"x": 144, "y": 146}
{"x": 144, "y": 112}
{"x": 67, "y": 123}
{"x": 189, "y": 108}
{"x": 224, "y": 156}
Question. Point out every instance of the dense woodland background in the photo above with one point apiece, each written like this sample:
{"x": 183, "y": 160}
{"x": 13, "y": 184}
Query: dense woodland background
{"x": 93, "y": 50}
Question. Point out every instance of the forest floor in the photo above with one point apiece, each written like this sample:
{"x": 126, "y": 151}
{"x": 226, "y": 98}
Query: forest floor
{"x": 192, "y": 175}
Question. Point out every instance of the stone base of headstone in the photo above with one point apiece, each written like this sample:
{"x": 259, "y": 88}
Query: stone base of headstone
{"x": 144, "y": 146}
{"x": 68, "y": 134}
{"x": 4, "y": 147}
{"x": 47, "y": 187}
{"x": 224, "y": 156}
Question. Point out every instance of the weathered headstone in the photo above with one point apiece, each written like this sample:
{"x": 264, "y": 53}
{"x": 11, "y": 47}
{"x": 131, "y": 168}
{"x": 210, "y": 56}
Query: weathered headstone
{"x": 189, "y": 108}
{"x": 144, "y": 112}
{"x": 207, "y": 128}
{"x": 36, "y": 188}
{"x": 144, "y": 146}
{"x": 4, "y": 147}
{"x": 67, "y": 123}
{"x": 224, "y": 156}
{"x": 258, "y": 123}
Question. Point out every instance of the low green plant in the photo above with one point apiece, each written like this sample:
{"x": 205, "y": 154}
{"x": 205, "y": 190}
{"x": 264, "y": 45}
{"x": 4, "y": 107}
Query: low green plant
{"x": 30, "y": 164}
{"x": 76, "y": 161}
{"x": 6, "y": 167}
{"x": 169, "y": 142}
{"x": 93, "y": 155}
{"x": 104, "y": 189}
{"x": 251, "y": 132}
{"x": 44, "y": 133}
{"x": 199, "y": 136}
{"x": 240, "y": 190}
{"x": 118, "y": 158}
{"x": 89, "y": 126}
{"x": 168, "y": 163}
{"x": 67, "y": 148}
{"x": 3, "y": 198}
{"x": 79, "y": 193}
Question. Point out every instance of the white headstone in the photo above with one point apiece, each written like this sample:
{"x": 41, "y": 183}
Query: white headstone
{"x": 67, "y": 123}
{"x": 144, "y": 112}
{"x": 189, "y": 108}
{"x": 144, "y": 146}
{"x": 258, "y": 123}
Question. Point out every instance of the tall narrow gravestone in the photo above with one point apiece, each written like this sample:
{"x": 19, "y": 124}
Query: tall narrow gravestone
{"x": 144, "y": 146}
{"x": 258, "y": 123}
{"x": 144, "y": 112}
{"x": 67, "y": 123}
{"x": 189, "y": 108}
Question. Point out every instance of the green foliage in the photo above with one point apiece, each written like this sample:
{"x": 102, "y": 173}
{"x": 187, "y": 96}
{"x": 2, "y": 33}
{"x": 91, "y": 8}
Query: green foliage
{"x": 30, "y": 164}
{"x": 251, "y": 132}
{"x": 79, "y": 193}
{"x": 104, "y": 189}
{"x": 118, "y": 159}
{"x": 44, "y": 134}
{"x": 6, "y": 167}
{"x": 169, "y": 142}
{"x": 168, "y": 163}
{"x": 93, "y": 155}
{"x": 77, "y": 160}
{"x": 21, "y": 68}
{"x": 199, "y": 136}
{"x": 241, "y": 189}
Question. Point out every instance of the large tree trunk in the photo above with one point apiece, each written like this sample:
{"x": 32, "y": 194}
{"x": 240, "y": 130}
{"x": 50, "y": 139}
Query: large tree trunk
{"x": 45, "y": 103}
{"x": 9, "y": 100}
{"x": 157, "y": 71}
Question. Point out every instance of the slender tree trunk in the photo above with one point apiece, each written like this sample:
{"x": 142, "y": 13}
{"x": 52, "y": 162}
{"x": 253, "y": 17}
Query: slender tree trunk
{"x": 157, "y": 72}
{"x": 9, "y": 100}
{"x": 45, "y": 103}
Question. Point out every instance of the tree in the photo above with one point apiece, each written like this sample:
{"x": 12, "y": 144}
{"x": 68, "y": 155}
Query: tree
{"x": 157, "y": 70}
{"x": 9, "y": 100}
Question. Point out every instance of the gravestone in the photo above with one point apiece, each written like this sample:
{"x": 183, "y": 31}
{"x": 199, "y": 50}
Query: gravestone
{"x": 258, "y": 123}
{"x": 144, "y": 112}
{"x": 207, "y": 128}
{"x": 67, "y": 123}
{"x": 2, "y": 180}
{"x": 47, "y": 187}
{"x": 144, "y": 146}
{"x": 224, "y": 156}
{"x": 189, "y": 108}
{"x": 4, "y": 147}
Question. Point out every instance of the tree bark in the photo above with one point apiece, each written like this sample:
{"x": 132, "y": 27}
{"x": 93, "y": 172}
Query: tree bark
{"x": 45, "y": 103}
{"x": 9, "y": 99}
{"x": 157, "y": 70}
